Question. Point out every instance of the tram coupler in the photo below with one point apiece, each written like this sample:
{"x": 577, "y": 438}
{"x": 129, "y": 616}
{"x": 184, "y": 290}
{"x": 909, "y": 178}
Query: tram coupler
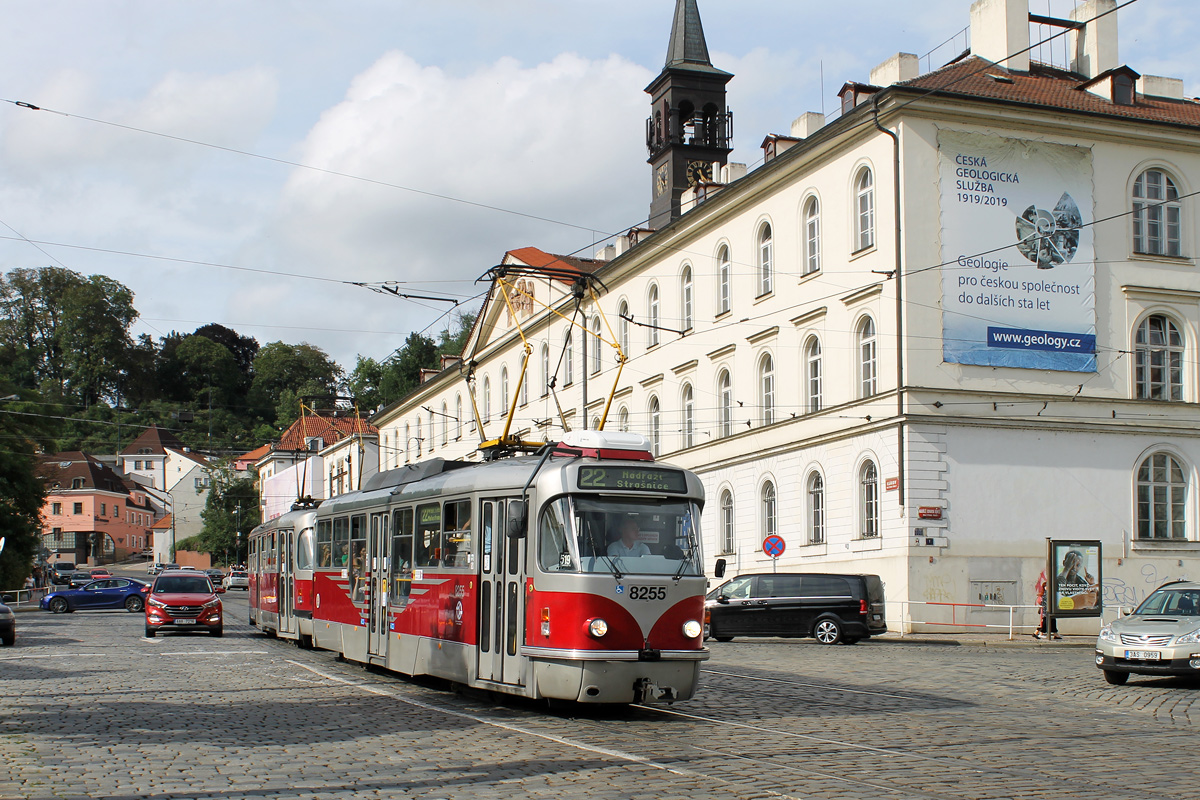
{"x": 649, "y": 654}
{"x": 647, "y": 691}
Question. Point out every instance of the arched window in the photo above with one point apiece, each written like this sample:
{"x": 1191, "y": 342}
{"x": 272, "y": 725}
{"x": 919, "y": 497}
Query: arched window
{"x": 685, "y": 298}
{"x": 765, "y": 276}
{"x": 867, "y": 366}
{"x": 816, "y": 508}
{"x": 655, "y": 426}
{"x": 770, "y": 517}
{"x": 1157, "y": 215}
{"x": 868, "y": 500}
{"x": 568, "y": 362}
{"x": 727, "y": 534}
{"x": 724, "y": 277}
{"x": 623, "y": 327}
{"x": 812, "y": 375}
{"x": 766, "y": 388}
{"x": 504, "y": 390}
{"x": 545, "y": 370}
{"x": 812, "y": 236}
{"x": 652, "y": 331}
{"x": 432, "y": 431}
{"x": 420, "y": 437}
{"x": 725, "y": 399}
{"x": 1158, "y": 359}
{"x": 689, "y": 416}
{"x": 487, "y": 399}
{"x": 458, "y": 417}
{"x": 1161, "y": 498}
{"x": 623, "y": 420}
{"x": 597, "y": 344}
{"x": 445, "y": 426}
{"x": 864, "y": 210}
{"x": 525, "y": 387}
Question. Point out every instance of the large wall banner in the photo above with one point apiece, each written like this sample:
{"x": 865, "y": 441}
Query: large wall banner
{"x": 1018, "y": 282}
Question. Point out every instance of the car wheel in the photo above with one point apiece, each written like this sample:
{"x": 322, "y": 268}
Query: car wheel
{"x": 149, "y": 632}
{"x": 9, "y": 640}
{"x": 218, "y": 631}
{"x": 1116, "y": 678}
{"x": 133, "y": 604}
{"x": 828, "y": 630}
{"x": 59, "y": 605}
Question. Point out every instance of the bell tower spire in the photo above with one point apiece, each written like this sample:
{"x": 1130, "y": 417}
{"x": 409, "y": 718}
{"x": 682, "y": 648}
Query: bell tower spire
{"x": 689, "y": 128}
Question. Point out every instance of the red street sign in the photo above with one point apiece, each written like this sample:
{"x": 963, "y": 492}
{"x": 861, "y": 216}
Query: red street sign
{"x": 929, "y": 512}
{"x": 891, "y": 484}
{"x": 774, "y": 546}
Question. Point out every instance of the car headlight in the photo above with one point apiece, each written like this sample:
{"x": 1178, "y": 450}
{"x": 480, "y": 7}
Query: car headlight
{"x": 692, "y": 629}
{"x": 156, "y": 603}
{"x": 1189, "y": 638}
{"x": 1108, "y": 635}
{"x": 597, "y": 628}
{"x": 213, "y": 603}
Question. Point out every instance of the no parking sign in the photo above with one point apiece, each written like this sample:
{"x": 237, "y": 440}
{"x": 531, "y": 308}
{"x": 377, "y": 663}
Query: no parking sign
{"x": 774, "y": 545}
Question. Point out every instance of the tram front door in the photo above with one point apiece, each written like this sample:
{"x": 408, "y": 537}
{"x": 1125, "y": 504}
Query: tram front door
{"x": 501, "y": 595}
{"x": 377, "y": 594}
{"x": 287, "y": 583}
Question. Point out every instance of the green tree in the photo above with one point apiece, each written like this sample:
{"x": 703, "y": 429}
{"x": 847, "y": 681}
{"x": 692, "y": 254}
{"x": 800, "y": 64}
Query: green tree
{"x": 303, "y": 370}
{"x": 22, "y": 491}
{"x": 231, "y": 508}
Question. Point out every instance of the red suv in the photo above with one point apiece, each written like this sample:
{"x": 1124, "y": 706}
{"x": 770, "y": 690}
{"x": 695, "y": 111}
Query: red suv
{"x": 184, "y": 601}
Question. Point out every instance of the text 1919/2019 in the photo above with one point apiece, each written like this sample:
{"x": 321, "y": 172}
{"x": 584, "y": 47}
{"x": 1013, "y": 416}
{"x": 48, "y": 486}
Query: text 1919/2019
{"x": 981, "y": 199}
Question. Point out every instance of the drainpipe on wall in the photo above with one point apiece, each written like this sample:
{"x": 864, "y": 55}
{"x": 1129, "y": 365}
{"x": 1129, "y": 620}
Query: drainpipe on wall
{"x": 898, "y": 277}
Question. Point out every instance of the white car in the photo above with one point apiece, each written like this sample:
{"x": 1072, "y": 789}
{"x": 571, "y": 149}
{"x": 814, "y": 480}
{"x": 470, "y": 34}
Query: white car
{"x": 237, "y": 580}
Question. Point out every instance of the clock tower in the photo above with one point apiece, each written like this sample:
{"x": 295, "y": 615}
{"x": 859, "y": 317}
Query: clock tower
{"x": 689, "y": 127}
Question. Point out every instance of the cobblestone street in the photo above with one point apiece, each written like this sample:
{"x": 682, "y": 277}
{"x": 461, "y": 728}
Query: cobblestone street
{"x": 89, "y": 708}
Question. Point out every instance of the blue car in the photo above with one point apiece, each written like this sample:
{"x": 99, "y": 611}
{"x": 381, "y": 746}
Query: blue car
{"x": 107, "y": 593}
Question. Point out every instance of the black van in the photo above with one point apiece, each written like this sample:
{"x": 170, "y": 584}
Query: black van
{"x": 829, "y": 608}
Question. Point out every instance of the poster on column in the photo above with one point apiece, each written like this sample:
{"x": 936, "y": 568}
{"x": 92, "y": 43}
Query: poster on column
{"x": 1018, "y": 273}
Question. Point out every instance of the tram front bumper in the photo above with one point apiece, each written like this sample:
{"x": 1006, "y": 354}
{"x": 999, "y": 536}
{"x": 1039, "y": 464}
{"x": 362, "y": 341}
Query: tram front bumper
{"x": 586, "y": 681}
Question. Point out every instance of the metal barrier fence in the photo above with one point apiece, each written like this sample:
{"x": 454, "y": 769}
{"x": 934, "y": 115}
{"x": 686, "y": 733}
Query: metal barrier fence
{"x": 25, "y": 597}
{"x": 906, "y": 618}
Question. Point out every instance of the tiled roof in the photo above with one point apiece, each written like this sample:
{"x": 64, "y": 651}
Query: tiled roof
{"x": 1050, "y": 88}
{"x": 163, "y": 524}
{"x": 64, "y": 468}
{"x": 540, "y": 258}
{"x": 327, "y": 429}
{"x": 253, "y": 455}
{"x": 154, "y": 439}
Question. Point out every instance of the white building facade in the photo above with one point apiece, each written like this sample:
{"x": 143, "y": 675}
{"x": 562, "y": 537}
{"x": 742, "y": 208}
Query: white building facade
{"x": 918, "y": 341}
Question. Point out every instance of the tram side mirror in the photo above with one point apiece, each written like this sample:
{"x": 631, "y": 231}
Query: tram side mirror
{"x": 719, "y": 570}
{"x": 517, "y": 520}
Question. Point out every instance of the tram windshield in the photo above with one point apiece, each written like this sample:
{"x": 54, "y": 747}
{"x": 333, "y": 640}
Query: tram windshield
{"x": 620, "y": 536}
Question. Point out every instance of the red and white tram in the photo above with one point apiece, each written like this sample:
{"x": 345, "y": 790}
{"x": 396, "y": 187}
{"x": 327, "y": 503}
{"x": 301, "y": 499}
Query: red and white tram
{"x": 280, "y": 567}
{"x": 574, "y": 574}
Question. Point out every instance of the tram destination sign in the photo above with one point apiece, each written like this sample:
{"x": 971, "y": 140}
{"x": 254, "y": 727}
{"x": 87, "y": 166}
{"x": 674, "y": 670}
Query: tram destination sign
{"x": 633, "y": 479}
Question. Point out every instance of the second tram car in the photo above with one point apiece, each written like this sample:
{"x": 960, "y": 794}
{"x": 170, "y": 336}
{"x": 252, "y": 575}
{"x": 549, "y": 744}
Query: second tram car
{"x": 280, "y": 567}
{"x": 574, "y": 574}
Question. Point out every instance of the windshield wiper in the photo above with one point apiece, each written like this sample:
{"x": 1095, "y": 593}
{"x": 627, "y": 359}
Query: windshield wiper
{"x": 612, "y": 567}
{"x": 687, "y": 557}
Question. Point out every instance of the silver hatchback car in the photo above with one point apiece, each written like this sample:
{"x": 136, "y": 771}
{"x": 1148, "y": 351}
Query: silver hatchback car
{"x": 1160, "y": 637}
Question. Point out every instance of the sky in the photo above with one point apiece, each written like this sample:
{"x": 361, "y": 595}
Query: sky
{"x": 248, "y": 163}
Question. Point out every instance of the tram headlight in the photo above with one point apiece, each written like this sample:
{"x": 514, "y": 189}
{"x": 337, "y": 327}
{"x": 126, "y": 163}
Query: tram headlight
{"x": 692, "y": 629}
{"x": 597, "y": 628}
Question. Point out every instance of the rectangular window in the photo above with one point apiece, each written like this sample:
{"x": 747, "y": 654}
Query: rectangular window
{"x": 457, "y": 536}
{"x": 341, "y": 542}
{"x": 56, "y": 508}
{"x": 324, "y": 543}
{"x": 428, "y": 540}
{"x": 78, "y": 508}
{"x": 402, "y": 555}
{"x": 103, "y": 509}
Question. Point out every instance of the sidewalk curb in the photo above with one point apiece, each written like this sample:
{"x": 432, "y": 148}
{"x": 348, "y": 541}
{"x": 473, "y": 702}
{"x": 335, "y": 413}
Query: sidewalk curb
{"x": 1022, "y": 640}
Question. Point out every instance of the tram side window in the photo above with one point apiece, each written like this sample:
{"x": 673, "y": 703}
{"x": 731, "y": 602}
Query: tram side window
{"x": 341, "y": 542}
{"x": 324, "y": 544}
{"x": 428, "y": 544}
{"x": 402, "y": 555}
{"x": 358, "y": 556}
{"x": 457, "y": 536}
{"x": 554, "y": 550}
{"x": 304, "y": 550}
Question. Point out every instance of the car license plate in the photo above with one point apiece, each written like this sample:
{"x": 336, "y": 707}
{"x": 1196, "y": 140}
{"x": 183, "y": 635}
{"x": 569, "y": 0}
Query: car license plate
{"x": 1143, "y": 655}
{"x": 193, "y": 622}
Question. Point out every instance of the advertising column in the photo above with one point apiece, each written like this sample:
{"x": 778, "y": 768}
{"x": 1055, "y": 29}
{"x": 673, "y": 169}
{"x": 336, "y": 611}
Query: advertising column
{"x": 1018, "y": 279}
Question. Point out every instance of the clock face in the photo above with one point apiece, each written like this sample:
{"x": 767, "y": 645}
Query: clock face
{"x": 698, "y": 171}
{"x": 660, "y": 179}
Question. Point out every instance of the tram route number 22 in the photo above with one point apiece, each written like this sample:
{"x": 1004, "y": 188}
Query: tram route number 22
{"x": 647, "y": 593}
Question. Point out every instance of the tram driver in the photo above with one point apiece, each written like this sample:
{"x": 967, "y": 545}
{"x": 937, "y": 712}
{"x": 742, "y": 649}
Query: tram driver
{"x": 628, "y": 544}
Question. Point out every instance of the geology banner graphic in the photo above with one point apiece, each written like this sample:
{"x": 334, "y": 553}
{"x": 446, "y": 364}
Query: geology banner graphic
{"x": 1018, "y": 281}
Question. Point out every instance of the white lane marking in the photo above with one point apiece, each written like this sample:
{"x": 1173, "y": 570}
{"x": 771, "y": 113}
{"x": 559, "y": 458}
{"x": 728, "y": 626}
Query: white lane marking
{"x": 109, "y": 654}
{"x": 508, "y": 727}
{"x": 811, "y": 685}
{"x": 216, "y": 653}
